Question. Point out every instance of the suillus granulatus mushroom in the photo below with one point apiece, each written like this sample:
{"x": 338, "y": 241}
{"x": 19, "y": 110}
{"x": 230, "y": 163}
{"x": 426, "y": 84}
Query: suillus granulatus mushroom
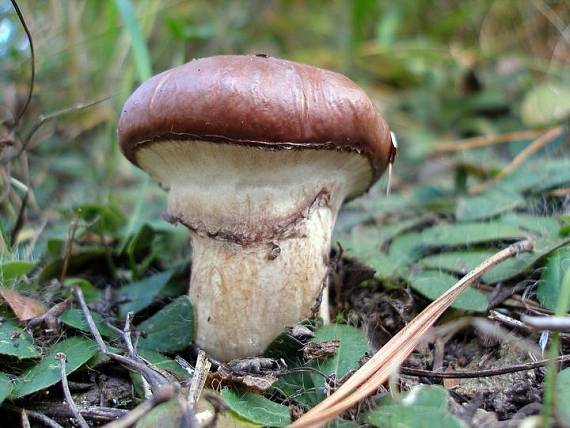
{"x": 258, "y": 154}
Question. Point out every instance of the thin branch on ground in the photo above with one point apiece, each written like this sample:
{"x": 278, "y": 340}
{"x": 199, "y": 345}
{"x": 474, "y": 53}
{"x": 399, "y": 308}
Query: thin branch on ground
{"x": 24, "y": 419}
{"x": 561, "y": 324}
{"x": 62, "y": 358}
{"x": 409, "y": 371}
{"x": 50, "y": 317}
{"x": 92, "y": 413}
{"x": 90, "y": 323}
{"x": 377, "y": 370}
{"x": 40, "y": 417}
{"x": 199, "y": 378}
{"x": 484, "y": 141}
{"x": 519, "y": 159}
{"x": 164, "y": 393}
{"x": 153, "y": 377}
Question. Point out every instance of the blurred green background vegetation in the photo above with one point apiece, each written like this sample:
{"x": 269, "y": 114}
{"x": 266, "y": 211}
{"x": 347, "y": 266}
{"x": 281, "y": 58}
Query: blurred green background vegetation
{"x": 438, "y": 71}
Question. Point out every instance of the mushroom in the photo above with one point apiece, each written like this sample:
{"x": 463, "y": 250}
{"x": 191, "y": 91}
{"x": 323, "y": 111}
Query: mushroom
{"x": 258, "y": 154}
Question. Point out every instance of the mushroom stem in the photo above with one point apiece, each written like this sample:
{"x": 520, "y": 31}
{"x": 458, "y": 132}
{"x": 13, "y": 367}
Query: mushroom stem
{"x": 247, "y": 294}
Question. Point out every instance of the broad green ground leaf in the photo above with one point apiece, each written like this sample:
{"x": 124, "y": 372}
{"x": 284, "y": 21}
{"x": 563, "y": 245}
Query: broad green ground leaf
{"x": 459, "y": 262}
{"x": 78, "y": 262}
{"x": 164, "y": 363}
{"x": 256, "y": 408}
{"x": 433, "y": 284}
{"x": 352, "y": 347}
{"x": 552, "y": 276}
{"x": 5, "y": 387}
{"x": 171, "y": 329}
{"x": 544, "y": 226}
{"x": 90, "y": 292}
{"x": 167, "y": 414}
{"x": 160, "y": 361}
{"x": 141, "y": 294}
{"x": 75, "y": 318}
{"x": 101, "y": 218}
{"x": 422, "y": 407}
{"x": 306, "y": 388}
{"x": 511, "y": 268}
{"x": 538, "y": 176}
{"x": 546, "y": 104}
{"x": 47, "y": 372}
{"x": 451, "y": 235}
{"x": 562, "y": 396}
{"x": 16, "y": 341}
{"x": 14, "y": 270}
{"x": 406, "y": 248}
{"x": 487, "y": 205}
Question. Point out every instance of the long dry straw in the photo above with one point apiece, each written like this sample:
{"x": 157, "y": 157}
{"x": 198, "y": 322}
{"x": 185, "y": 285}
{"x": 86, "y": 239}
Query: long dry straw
{"x": 377, "y": 370}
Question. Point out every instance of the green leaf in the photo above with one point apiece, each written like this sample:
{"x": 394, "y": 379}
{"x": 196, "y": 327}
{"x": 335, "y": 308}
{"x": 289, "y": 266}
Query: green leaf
{"x": 16, "y": 341}
{"x": 5, "y": 387}
{"x": 562, "y": 396}
{"x": 538, "y": 176}
{"x": 74, "y": 318}
{"x": 405, "y": 248}
{"x": 14, "y": 270}
{"x": 78, "y": 262}
{"x": 171, "y": 329}
{"x": 164, "y": 363}
{"x": 422, "y": 407}
{"x": 100, "y": 218}
{"x": 488, "y": 204}
{"x": 140, "y": 51}
{"x": 352, "y": 347}
{"x": 47, "y": 372}
{"x": 90, "y": 292}
{"x": 550, "y": 284}
{"x": 256, "y": 408}
{"x": 459, "y": 262}
{"x": 433, "y": 284}
{"x": 546, "y": 104}
{"x": 141, "y": 294}
{"x": 543, "y": 226}
{"x": 452, "y": 235}
{"x": 168, "y": 414}
{"x": 160, "y": 361}
{"x": 307, "y": 388}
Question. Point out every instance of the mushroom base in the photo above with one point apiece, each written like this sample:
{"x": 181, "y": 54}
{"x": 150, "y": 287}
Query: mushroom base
{"x": 245, "y": 295}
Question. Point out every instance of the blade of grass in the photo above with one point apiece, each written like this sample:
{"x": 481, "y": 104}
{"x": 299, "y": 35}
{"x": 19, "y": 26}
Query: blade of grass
{"x": 553, "y": 351}
{"x": 377, "y": 370}
{"x": 144, "y": 71}
{"x": 140, "y": 51}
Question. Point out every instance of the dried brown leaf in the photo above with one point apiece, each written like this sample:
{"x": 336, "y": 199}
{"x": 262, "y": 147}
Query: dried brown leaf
{"x": 25, "y": 308}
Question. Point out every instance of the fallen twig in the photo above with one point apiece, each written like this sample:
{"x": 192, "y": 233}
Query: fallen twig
{"x": 40, "y": 417}
{"x": 377, "y": 370}
{"x": 50, "y": 317}
{"x": 485, "y": 140}
{"x": 536, "y": 145}
{"x": 62, "y": 358}
{"x": 198, "y": 379}
{"x": 409, "y": 371}
{"x": 153, "y": 377}
{"x": 552, "y": 323}
{"x": 92, "y": 413}
{"x": 164, "y": 393}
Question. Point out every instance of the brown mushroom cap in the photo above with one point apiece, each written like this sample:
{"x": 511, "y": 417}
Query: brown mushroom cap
{"x": 257, "y": 101}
